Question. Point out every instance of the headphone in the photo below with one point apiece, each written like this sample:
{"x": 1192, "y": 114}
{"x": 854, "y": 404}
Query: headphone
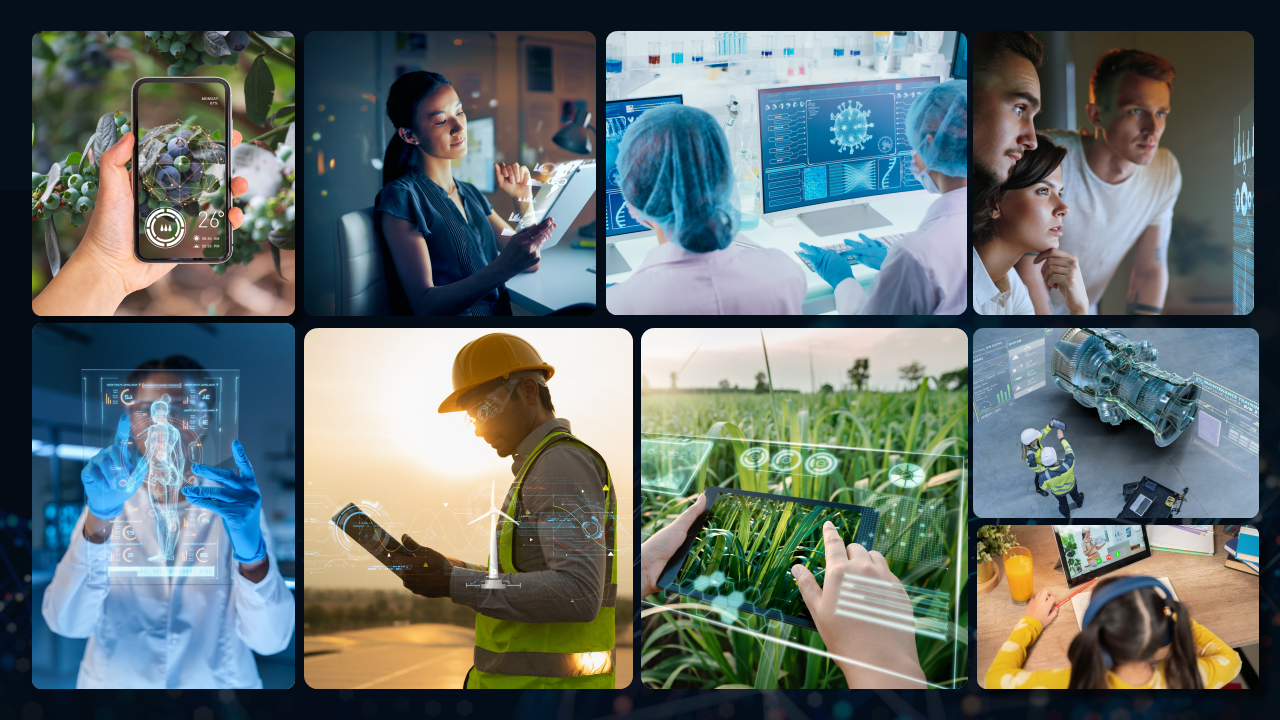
{"x": 1124, "y": 586}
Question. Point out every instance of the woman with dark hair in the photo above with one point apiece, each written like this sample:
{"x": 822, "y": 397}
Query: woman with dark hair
{"x": 1134, "y": 635}
{"x": 1023, "y": 216}
{"x": 449, "y": 251}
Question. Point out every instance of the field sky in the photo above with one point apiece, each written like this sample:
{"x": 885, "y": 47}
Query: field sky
{"x": 373, "y": 435}
{"x": 736, "y": 355}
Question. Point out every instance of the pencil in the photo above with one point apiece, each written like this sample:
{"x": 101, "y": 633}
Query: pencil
{"x": 1063, "y": 601}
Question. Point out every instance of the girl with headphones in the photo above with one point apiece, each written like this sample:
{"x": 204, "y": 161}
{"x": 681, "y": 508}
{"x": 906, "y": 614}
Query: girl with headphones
{"x": 1135, "y": 635}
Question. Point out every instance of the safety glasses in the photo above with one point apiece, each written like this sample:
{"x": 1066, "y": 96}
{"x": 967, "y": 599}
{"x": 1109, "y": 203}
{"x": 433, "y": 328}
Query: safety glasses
{"x": 491, "y": 405}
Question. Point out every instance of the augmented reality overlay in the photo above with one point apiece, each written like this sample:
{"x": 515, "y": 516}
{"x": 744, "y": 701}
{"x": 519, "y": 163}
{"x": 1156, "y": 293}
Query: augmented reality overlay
{"x": 158, "y": 423}
{"x": 918, "y": 530}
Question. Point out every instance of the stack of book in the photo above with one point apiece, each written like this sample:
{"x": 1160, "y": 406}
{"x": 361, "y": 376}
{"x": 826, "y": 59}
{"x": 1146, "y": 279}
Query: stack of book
{"x": 1242, "y": 551}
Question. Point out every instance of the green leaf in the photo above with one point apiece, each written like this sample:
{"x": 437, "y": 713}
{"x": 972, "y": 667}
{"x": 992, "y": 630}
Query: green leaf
{"x": 285, "y": 111}
{"x": 72, "y": 159}
{"x": 275, "y": 33}
{"x": 217, "y": 135}
{"x": 105, "y": 136}
{"x": 41, "y": 49}
{"x": 214, "y": 44}
{"x": 259, "y": 90}
{"x": 284, "y": 241}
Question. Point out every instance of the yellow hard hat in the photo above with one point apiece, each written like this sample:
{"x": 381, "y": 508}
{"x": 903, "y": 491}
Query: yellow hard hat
{"x": 486, "y": 358}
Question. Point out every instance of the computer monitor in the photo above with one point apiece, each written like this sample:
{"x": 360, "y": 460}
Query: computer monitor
{"x": 618, "y": 116}
{"x": 821, "y": 144}
{"x": 960, "y": 57}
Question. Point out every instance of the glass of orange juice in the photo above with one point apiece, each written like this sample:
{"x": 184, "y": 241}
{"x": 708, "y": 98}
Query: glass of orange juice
{"x": 1017, "y": 567}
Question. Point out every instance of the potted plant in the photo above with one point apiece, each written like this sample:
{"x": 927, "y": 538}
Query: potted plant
{"x": 993, "y": 542}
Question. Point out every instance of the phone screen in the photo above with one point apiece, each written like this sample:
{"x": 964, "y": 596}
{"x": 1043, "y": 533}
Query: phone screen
{"x": 362, "y": 528}
{"x": 181, "y": 169}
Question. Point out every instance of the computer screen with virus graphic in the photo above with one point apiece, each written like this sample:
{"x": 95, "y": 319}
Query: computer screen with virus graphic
{"x": 824, "y": 143}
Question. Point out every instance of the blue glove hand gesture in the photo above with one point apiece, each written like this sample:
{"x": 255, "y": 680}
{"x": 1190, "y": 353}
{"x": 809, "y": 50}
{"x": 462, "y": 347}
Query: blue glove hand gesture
{"x": 239, "y": 504}
{"x": 868, "y": 251}
{"x": 107, "y": 479}
{"x": 829, "y": 265}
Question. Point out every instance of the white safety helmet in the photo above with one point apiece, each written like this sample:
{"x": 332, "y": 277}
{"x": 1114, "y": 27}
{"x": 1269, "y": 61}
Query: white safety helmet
{"x": 1049, "y": 456}
{"x": 1029, "y": 436}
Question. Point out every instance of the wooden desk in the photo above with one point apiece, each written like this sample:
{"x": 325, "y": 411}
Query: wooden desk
{"x": 1223, "y": 600}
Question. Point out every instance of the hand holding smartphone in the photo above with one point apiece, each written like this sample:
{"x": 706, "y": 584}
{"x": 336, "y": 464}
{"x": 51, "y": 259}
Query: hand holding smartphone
{"x": 182, "y": 170}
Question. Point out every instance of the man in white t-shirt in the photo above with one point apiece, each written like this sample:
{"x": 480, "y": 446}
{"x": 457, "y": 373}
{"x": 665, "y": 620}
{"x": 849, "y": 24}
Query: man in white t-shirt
{"x": 1122, "y": 185}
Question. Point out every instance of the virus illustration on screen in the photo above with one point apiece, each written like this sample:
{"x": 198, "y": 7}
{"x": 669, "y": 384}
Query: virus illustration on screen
{"x": 851, "y": 128}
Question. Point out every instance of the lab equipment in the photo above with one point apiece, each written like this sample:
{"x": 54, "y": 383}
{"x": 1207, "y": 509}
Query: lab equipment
{"x": 897, "y": 50}
{"x": 619, "y": 114}
{"x": 788, "y": 44}
{"x": 677, "y": 52}
{"x": 766, "y": 46}
{"x": 882, "y": 41}
{"x": 821, "y": 144}
{"x": 841, "y": 249}
{"x": 655, "y": 53}
{"x": 837, "y": 50}
{"x": 695, "y": 51}
{"x": 1106, "y": 370}
{"x": 941, "y": 112}
{"x": 675, "y": 169}
{"x": 615, "y": 52}
{"x": 742, "y": 43}
{"x": 238, "y": 503}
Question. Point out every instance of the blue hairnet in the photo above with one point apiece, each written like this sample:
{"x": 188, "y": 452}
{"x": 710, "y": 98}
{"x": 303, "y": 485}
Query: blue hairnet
{"x": 674, "y": 168}
{"x": 942, "y": 111}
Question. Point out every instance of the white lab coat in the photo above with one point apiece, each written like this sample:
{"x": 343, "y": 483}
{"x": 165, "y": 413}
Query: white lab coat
{"x": 987, "y": 298}
{"x": 924, "y": 274}
{"x": 183, "y": 635}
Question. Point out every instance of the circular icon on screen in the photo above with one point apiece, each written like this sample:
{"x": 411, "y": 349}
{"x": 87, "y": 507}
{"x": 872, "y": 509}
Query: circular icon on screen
{"x": 786, "y": 461}
{"x": 202, "y": 555}
{"x": 753, "y": 458}
{"x": 821, "y": 463}
{"x": 906, "y": 475}
{"x": 128, "y": 533}
{"x": 165, "y": 227}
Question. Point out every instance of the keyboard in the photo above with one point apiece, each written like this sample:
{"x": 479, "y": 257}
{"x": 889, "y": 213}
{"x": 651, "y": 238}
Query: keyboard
{"x": 841, "y": 247}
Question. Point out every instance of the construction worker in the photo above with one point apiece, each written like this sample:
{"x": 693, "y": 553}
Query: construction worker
{"x": 1031, "y": 446}
{"x": 1057, "y": 477}
{"x": 552, "y": 624}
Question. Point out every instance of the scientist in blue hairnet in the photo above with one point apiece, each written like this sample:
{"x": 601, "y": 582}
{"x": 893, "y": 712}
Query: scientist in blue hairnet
{"x": 927, "y": 272}
{"x": 676, "y": 176}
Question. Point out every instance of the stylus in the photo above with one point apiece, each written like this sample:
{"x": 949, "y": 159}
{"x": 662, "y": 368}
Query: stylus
{"x": 1064, "y": 600}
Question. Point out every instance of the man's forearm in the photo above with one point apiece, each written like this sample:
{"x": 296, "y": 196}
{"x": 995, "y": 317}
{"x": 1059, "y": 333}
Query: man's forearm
{"x": 1147, "y": 291}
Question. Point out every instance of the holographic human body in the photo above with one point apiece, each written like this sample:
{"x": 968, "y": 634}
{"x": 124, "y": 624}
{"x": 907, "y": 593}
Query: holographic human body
{"x": 161, "y": 470}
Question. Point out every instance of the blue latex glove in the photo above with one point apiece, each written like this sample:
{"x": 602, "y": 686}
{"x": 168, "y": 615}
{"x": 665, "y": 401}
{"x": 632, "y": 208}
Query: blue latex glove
{"x": 869, "y": 251}
{"x": 107, "y": 479}
{"x": 830, "y": 266}
{"x": 239, "y": 504}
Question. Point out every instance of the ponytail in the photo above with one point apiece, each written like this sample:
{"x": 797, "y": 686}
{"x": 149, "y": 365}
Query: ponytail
{"x": 1088, "y": 668}
{"x": 1182, "y": 670}
{"x": 402, "y": 106}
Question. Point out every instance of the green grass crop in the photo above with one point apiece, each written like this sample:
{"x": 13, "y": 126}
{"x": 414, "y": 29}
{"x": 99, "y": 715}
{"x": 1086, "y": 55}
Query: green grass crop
{"x": 680, "y": 650}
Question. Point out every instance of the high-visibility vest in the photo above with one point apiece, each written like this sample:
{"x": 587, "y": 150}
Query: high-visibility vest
{"x": 1061, "y": 478}
{"x": 567, "y": 655}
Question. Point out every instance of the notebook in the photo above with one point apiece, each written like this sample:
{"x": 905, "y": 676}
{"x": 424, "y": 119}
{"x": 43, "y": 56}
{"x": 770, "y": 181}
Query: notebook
{"x": 1247, "y": 544}
{"x": 1193, "y": 539}
{"x": 1080, "y": 602}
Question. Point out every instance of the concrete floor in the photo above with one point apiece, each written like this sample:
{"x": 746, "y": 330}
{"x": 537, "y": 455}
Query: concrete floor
{"x": 1109, "y": 456}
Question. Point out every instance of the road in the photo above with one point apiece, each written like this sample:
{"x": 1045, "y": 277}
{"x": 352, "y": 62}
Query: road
{"x": 411, "y": 657}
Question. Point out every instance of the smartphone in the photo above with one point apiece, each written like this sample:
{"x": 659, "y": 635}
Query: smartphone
{"x": 370, "y": 536}
{"x": 181, "y": 169}
{"x": 1057, "y": 424}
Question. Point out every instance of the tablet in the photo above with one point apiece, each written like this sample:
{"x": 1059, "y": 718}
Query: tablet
{"x": 562, "y": 197}
{"x": 1091, "y": 551}
{"x": 739, "y": 553}
{"x": 370, "y": 536}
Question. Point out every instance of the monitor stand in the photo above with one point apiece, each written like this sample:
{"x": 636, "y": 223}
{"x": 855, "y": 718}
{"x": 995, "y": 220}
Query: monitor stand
{"x": 614, "y": 262}
{"x": 843, "y": 220}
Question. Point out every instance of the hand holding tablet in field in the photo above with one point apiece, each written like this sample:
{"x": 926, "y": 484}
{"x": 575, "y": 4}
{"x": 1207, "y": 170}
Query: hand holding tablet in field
{"x": 657, "y": 550}
{"x": 847, "y": 623}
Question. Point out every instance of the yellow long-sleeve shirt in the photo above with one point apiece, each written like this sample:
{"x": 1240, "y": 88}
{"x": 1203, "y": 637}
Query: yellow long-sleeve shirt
{"x": 1218, "y": 663}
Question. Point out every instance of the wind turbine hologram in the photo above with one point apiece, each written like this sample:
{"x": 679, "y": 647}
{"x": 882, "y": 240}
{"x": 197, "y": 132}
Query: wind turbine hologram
{"x": 493, "y": 582}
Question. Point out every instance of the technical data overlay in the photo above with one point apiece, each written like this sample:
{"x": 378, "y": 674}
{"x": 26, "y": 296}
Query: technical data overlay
{"x": 618, "y": 116}
{"x": 1005, "y": 370}
{"x": 824, "y": 143}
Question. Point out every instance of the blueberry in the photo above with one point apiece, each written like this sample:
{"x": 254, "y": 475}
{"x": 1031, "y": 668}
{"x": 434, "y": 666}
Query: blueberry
{"x": 53, "y": 200}
{"x": 175, "y": 70}
{"x": 94, "y": 54}
{"x": 176, "y": 47}
{"x": 37, "y": 178}
{"x": 144, "y": 210}
{"x": 197, "y": 172}
{"x": 83, "y": 205}
{"x": 152, "y": 34}
{"x": 184, "y": 133}
{"x": 166, "y": 33}
{"x": 77, "y": 219}
{"x": 182, "y": 162}
{"x": 165, "y": 159}
{"x": 120, "y": 120}
{"x": 43, "y": 213}
{"x": 163, "y": 44}
{"x": 71, "y": 195}
{"x": 237, "y": 40}
{"x": 74, "y": 181}
{"x": 177, "y": 146}
{"x": 88, "y": 189}
{"x": 168, "y": 178}
{"x": 124, "y": 130}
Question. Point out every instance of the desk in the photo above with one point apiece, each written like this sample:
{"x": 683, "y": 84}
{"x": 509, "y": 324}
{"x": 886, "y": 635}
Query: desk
{"x": 1223, "y": 600}
{"x": 561, "y": 279}
{"x": 903, "y": 210}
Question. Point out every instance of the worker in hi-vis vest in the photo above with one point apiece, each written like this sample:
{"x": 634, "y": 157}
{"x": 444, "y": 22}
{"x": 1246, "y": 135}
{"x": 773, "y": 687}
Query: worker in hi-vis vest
{"x": 1056, "y": 477}
{"x": 545, "y": 619}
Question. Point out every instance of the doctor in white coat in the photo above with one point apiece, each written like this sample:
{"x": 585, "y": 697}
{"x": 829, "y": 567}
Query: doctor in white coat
{"x": 927, "y": 272}
{"x": 181, "y": 631}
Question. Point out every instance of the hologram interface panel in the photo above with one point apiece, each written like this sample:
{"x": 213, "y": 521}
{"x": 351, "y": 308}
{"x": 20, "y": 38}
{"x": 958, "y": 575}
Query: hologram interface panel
{"x": 823, "y": 143}
{"x": 618, "y": 116}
